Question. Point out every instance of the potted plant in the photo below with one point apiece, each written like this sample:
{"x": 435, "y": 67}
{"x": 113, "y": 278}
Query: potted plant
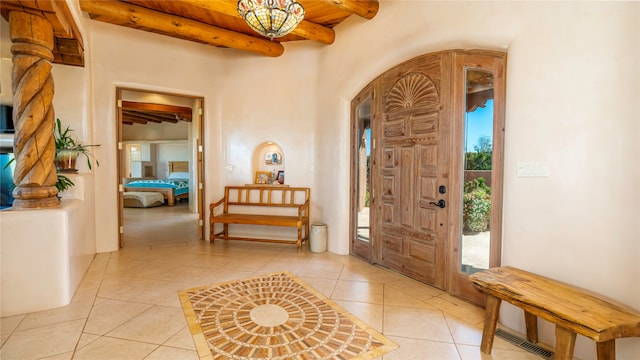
{"x": 68, "y": 150}
{"x": 63, "y": 183}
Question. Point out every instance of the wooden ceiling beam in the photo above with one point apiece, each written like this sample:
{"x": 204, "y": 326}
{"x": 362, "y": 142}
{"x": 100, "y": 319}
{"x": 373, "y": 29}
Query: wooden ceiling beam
{"x": 119, "y": 13}
{"x": 68, "y": 46}
{"x": 140, "y": 118}
{"x": 183, "y": 111}
{"x": 151, "y": 117}
{"x": 170, "y": 117}
{"x": 132, "y": 120}
{"x": 305, "y": 29}
{"x": 363, "y": 8}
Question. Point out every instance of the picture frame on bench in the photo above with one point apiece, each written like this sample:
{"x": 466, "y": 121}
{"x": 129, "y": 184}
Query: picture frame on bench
{"x": 262, "y": 177}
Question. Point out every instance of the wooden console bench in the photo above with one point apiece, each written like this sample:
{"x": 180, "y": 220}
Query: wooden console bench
{"x": 574, "y": 311}
{"x": 241, "y": 203}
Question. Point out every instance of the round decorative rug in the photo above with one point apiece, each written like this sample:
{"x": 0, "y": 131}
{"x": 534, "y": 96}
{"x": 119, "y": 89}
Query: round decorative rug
{"x": 275, "y": 316}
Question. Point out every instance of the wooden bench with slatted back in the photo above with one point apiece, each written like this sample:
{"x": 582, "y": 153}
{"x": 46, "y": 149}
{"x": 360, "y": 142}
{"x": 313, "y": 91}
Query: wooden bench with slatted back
{"x": 263, "y": 205}
{"x": 572, "y": 310}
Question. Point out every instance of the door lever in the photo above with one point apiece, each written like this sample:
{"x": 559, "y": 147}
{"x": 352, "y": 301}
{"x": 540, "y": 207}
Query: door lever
{"x": 441, "y": 203}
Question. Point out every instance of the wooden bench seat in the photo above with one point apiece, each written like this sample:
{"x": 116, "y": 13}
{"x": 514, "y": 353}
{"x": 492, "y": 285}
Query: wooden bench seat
{"x": 270, "y": 201}
{"x": 572, "y": 310}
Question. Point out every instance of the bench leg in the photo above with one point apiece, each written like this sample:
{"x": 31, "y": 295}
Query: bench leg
{"x": 531, "y": 322}
{"x": 299, "y": 242}
{"x": 565, "y": 343}
{"x": 607, "y": 350}
{"x": 307, "y": 234}
{"x": 490, "y": 323}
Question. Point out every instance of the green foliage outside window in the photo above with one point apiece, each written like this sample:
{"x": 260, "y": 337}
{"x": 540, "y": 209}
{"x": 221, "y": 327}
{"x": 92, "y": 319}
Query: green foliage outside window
{"x": 476, "y": 205}
{"x": 482, "y": 157}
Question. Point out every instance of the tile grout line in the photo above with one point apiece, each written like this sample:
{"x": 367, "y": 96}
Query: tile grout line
{"x": 93, "y": 303}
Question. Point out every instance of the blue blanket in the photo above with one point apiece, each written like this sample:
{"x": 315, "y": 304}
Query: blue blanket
{"x": 180, "y": 186}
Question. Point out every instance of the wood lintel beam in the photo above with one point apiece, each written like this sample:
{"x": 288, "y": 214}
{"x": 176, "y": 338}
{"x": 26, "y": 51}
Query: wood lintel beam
{"x": 363, "y": 8}
{"x": 124, "y": 14}
{"x": 305, "y": 29}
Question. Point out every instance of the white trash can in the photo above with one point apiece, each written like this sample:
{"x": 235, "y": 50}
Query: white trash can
{"x": 318, "y": 238}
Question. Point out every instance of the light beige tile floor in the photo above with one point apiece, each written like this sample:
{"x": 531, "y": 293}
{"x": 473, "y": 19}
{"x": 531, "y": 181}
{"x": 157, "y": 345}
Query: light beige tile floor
{"x": 127, "y": 305}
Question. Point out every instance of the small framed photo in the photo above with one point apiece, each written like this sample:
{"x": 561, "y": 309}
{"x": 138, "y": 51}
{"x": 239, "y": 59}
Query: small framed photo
{"x": 262, "y": 177}
{"x": 280, "y": 177}
{"x": 273, "y": 158}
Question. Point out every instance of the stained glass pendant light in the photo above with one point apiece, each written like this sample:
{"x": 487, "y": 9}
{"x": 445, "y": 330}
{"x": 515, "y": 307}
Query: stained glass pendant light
{"x": 271, "y": 18}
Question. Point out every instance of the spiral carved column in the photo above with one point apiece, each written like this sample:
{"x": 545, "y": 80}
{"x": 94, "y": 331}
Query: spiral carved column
{"x": 34, "y": 145}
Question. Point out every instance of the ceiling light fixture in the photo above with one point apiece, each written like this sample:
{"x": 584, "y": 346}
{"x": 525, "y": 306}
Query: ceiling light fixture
{"x": 271, "y": 18}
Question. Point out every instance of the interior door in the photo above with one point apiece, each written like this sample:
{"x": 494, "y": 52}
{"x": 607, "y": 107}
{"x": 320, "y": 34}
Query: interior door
{"x": 411, "y": 182}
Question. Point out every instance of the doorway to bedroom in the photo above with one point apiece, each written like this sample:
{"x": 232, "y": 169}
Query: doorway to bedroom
{"x": 160, "y": 163}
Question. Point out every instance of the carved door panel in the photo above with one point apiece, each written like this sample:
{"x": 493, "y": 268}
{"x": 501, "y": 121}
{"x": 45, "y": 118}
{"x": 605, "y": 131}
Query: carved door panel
{"x": 411, "y": 225}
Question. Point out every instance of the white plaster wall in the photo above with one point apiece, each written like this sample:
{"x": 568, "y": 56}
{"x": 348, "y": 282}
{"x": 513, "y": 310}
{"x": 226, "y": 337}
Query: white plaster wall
{"x": 171, "y": 151}
{"x": 572, "y": 101}
{"x": 44, "y": 254}
{"x": 245, "y": 105}
{"x": 134, "y": 59}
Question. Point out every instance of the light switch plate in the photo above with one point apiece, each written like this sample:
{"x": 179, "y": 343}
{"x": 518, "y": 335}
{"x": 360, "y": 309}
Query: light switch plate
{"x": 532, "y": 169}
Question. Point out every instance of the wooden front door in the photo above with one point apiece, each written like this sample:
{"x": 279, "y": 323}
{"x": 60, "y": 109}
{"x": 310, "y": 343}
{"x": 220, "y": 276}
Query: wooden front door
{"x": 415, "y": 119}
{"x": 410, "y": 172}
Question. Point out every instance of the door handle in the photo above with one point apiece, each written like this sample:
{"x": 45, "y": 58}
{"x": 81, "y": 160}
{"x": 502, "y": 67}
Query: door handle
{"x": 441, "y": 203}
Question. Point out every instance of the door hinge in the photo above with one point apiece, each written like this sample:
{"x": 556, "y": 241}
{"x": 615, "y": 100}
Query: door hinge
{"x": 119, "y": 145}
{"x": 119, "y": 103}
{"x": 199, "y": 186}
{"x": 373, "y": 143}
{"x": 120, "y": 188}
{"x": 200, "y": 222}
{"x": 199, "y": 111}
{"x": 121, "y": 229}
{"x": 199, "y": 148}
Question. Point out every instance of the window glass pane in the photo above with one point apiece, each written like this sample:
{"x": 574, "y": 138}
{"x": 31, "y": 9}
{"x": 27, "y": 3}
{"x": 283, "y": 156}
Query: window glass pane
{"x": 478, "y": 153}
{"x": 363, "y": 170}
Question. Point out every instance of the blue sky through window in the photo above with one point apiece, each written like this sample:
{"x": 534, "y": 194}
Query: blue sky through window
{"x": 479, "y": 123}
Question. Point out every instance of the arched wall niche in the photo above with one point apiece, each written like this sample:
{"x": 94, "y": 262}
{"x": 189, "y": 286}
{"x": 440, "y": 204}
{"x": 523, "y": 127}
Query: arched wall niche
{"x": 268, "y": 157}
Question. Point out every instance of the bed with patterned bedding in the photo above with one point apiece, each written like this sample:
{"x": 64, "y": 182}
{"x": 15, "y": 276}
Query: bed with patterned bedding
{"x": 175, "y": 187}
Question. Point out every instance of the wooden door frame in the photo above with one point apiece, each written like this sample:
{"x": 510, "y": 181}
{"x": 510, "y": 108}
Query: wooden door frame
{"x": 457, "y": 282}
{"x": 198, "y": 187}
{"x": 354, "y": 249}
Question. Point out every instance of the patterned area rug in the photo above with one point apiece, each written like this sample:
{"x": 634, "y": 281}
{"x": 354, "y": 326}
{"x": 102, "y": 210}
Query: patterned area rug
{"x": 275, "y": 316}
